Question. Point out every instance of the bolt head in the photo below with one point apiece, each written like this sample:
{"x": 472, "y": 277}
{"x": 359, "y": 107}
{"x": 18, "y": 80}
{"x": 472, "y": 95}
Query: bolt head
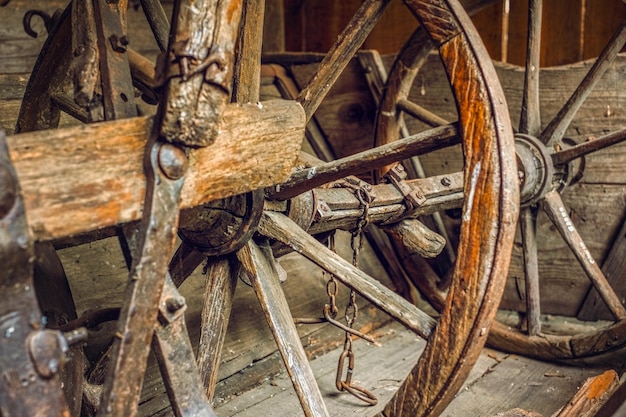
{"x": 172, "y": 161}
{"x": 174, "y": 304}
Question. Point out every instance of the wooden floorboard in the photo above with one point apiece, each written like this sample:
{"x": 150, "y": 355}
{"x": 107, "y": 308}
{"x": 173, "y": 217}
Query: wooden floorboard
{"x": 498, "y": 382}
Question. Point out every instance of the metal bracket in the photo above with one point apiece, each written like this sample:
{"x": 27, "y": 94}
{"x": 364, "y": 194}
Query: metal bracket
{"x": 413, "y": 196}
{"x": 30, "y": 357}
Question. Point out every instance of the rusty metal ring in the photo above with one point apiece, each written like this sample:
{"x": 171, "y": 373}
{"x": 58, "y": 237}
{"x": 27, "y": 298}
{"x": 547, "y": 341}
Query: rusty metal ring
{"x": 250, "y": 222}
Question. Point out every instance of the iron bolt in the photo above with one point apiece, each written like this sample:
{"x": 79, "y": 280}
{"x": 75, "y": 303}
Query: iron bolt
{"x": 174, "y": 304}
{"x": 47, "y": 350}
{"x": 445, "y": 181}
{"x": 119, "y": 43}
{"x": 172, "y": 161}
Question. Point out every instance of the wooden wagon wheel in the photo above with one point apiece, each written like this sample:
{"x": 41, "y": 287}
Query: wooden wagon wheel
{"x": 489, "y": 191}
{"x": 548, "y": 164}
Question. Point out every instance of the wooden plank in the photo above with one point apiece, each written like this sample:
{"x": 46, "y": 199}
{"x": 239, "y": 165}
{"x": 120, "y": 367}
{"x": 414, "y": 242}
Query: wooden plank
{"x": 602, "y": 18}
{"x": 498, "y": 382}
{"x": 394, "y": 28}
{"x": 518, "y": 382}
{"x": 591, "y": 396}
{"x": 274, "y": 35}
{"x": 563, "y": 25}
{"x": 88, "y": 177}
{"x": 518, "y": 412}
{"x": 489, "y": 23}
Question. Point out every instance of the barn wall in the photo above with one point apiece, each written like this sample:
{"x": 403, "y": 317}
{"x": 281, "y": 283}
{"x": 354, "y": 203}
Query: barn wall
{"x": 576, "y": 29}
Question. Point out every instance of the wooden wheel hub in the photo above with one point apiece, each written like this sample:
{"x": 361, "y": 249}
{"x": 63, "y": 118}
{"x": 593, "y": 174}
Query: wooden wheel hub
{"x": 223, "y": 226}
{"x": 538, "y": 173}
{"x": 534, "y": 167}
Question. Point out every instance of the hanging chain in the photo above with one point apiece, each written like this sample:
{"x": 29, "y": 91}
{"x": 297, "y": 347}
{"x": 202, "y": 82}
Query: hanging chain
{"x": 332, "y": 288}
{"x": 361, "y": 191}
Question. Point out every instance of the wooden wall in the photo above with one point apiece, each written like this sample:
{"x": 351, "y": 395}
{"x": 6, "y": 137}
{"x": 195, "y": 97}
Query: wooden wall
{"x": 573, "y": 30}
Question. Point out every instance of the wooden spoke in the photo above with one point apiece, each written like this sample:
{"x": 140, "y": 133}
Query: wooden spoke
{"x": 556, "y": 210}
{"x": 421, "y": 114}
{"x": 309, "y": 178}
{"x": 335, "y": 61}
{"x": 247, "y": 78}
{"x": 185, "y": 260}
{"x": 530, "y": 119}
{"x": 222, "y": 275}
{"x": 257, "y": 261}
{"x": 158, "y": 21}
{"x": 279, "y": 227}
{"x": 555, "y": 130}
{"x": 528, "y": 223}
{"x": 590, "y": 146}
{"x": 613, "y": 268}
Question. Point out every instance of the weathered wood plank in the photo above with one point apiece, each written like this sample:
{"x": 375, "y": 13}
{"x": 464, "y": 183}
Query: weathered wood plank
{"x": 88, "y": 177}
{"x": 591, "y": 396}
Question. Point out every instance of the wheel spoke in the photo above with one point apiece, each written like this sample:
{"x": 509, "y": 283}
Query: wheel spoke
{"x": 421, "y": 114}
{"x": 528, "y": 223}
{"x": 557, "y": 127}
{"x": 220, "y": 287}
{"x": 307, "y": 179}
{"x": 185, "y": 260}
{"x": 530, "y": 119}
{"x": 556, "y": 210}
{"x": 157, "y": 19}
{"x": 246, "y": 84}
{"x": 585, "y": 148}
{"x": 335, "y": 61}
{"x": 259, "y": 265}
{"x": 277, "y": 226}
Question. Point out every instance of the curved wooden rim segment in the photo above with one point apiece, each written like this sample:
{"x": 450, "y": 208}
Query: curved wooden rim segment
{"x": 573, "y": 349}
{"x": 489, "y": 216}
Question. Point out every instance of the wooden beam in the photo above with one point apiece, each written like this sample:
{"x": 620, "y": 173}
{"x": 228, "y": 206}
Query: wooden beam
{"x": 591, "y": 396}
{"x": 88, "y": 177}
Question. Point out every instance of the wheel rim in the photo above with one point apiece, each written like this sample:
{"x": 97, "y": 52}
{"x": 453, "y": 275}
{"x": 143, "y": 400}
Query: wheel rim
{"x": 559, "y": 169}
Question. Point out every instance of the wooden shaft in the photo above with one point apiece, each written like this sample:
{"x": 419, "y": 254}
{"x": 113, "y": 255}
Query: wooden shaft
{"x": 89, "y": 177}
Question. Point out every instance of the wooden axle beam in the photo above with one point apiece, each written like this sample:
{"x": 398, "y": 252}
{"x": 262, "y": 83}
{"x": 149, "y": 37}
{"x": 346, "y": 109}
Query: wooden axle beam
{"x": 85, "y": 178}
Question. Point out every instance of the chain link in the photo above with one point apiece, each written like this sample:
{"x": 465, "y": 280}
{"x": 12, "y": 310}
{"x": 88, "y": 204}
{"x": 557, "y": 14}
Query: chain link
{"x": 361, "y": 191}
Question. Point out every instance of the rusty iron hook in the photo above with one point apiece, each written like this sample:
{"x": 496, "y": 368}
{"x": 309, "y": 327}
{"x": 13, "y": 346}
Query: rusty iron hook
{"x": 48, "y": 20}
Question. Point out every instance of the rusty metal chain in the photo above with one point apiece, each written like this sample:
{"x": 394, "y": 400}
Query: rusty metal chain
{"x": 362, "y": 193}
{"x": 332, "y": 287}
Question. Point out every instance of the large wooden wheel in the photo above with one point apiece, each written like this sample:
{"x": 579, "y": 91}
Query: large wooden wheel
{"x": 294, "y": 210}
{"x": 548, "y": 164}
